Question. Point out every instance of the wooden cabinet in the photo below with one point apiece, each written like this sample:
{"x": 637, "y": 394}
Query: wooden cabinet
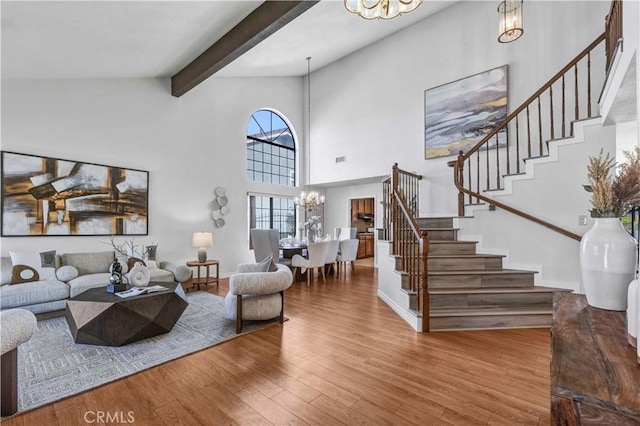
{"x": 366, "y": 245}
{"x": 362, "y": 206}
{"x": 595, "y": 377}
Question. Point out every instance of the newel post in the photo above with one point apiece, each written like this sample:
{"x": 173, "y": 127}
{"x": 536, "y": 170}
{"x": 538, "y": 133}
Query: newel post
{"x": 424, "y": 279}
{"x": 395, "y": 229}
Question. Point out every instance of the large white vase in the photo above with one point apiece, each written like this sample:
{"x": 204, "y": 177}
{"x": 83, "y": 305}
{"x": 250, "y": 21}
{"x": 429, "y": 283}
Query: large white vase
{"x": 608, "y": 264}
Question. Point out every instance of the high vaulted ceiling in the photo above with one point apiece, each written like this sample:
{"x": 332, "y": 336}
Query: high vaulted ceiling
{"x": 138, "y": 39}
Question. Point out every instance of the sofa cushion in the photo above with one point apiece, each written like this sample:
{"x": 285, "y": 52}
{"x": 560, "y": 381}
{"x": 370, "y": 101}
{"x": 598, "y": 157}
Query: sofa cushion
{"x": 66, "y": 273}
{"x": 85, "y": 282}
{"x": 12, "y": 296}
{"x": 161, "y": 275}
{"x": 43, "y": 262}
{"x": 5, "y": 270}
{"x": 90, "y": 263}
{"x": 23, "y": 274}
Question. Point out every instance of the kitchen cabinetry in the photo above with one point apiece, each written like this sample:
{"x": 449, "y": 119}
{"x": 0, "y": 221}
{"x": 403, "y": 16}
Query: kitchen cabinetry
{"x": 366, "y": 245}
{"x": 362, "y": 206}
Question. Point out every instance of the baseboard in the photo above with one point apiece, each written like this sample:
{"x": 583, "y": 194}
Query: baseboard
{"x": 411, "y": 319}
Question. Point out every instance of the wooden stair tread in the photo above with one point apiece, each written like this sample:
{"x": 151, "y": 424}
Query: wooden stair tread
{"x": 479, "y": 272}
{"x": 488, "y": 310}
{"x": 490, "y": 290}
{"x": 452, "y": 242}
{"x": 466, "y": 256}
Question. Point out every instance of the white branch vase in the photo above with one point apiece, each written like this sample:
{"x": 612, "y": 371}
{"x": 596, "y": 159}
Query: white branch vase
{"x": 608, "y": 264}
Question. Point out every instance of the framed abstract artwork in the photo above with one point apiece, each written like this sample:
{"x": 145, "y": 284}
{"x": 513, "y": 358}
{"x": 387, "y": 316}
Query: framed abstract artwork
{"x": 50, "y": 196}
{"x": 460, "y": 113}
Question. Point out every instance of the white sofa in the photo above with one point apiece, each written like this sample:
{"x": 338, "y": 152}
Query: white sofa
{"x": 75, "y": 273}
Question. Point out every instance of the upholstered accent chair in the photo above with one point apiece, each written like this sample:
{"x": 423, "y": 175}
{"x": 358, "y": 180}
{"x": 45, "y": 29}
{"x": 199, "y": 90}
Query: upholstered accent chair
{"x": 348, "y": 254}
{"x": 16, "y": 327}
{"x": 257, "y": 295}
{"x": 317, "y": 256}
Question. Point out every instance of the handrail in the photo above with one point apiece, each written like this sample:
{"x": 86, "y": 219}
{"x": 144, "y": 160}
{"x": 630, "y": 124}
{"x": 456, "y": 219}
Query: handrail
{"x": 535, "y": 96}
{"x": 503, "y": 146}
{"x": 412, "y": 245}
{"x": 613, "y": 30}
{"x": 514, "y": 210}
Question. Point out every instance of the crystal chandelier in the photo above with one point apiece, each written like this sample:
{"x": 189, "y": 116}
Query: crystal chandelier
{"x": 310, "y": 199}
{"x": 510, "y": 25}
{"x": 381, "y": 9}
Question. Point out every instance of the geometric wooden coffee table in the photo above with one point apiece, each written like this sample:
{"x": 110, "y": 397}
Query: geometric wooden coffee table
{"x": 96, "y": 317}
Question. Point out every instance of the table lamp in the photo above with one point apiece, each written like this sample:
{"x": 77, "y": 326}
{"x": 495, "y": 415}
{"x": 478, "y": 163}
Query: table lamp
{"x": 202, "y": 240}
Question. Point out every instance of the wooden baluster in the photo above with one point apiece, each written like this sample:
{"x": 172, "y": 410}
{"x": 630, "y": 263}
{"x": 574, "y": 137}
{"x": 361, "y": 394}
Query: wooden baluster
{"x": 563, "y": 108}
{"x": 470, "y": 183}
{"x": 540, "y": 148}
{"x": 507, "y": 152}
{"x": 487, "y": 151}
{"x": 477, "y": 154}
{"x": 576, "y": 91}
{"x": 528, "y": 134}
{"x": 517, "y": 145}
{"x": 551, "y": 111}
{"x": 589, "y": 84}
{"x": 497, "y": 162}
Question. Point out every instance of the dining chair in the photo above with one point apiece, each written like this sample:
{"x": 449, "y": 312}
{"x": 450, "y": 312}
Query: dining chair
{"x": 267, "y": 242}
{"x": 348, "y": 254}
{"x": 332, "y": 255}
{"x": 317, "y": 255}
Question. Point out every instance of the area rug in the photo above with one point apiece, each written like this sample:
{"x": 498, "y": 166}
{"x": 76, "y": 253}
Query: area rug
{"x": 52, "y": 366}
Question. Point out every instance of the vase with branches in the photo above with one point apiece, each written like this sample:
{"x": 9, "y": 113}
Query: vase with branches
{"x": 608, "y": 254}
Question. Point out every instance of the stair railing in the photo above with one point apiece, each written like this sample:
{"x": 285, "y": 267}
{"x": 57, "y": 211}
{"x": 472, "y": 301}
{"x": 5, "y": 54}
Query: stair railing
{"x": 613, "y": 31}
{"x": 543, "y": 116}
{"x": 409, "y": 243}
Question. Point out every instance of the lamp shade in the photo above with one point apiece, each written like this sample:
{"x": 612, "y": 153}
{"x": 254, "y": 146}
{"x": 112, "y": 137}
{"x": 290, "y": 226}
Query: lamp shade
{"x": 202, "y": 239}
{"x": 510, "y": 25}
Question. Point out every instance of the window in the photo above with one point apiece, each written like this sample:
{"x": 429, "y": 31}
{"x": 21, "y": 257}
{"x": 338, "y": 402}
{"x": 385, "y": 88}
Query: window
{"x": 273, "y": 213}
{"x": 271, "y": 152}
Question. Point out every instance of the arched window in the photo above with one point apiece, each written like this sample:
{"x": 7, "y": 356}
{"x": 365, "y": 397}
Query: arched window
{"x": 271, "y": 152}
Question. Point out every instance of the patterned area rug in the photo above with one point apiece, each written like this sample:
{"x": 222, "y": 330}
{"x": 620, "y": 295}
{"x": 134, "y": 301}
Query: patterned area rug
{"x": 52, "y": 367}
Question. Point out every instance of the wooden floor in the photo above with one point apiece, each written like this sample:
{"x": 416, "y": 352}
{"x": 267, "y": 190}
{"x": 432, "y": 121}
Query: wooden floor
{"x": 342, "y": 358}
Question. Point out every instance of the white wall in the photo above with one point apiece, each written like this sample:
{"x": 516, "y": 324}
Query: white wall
{"x": 369, "y": 106}
{"x": 190, "y": 145}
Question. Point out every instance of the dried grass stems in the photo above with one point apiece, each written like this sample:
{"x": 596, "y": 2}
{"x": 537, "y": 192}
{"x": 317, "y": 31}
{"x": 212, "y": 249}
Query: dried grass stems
{"x": 614, "y": 195}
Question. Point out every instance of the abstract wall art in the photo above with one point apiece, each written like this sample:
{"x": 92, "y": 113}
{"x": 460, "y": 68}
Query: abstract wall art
{"x": 460, "y": 113}
{"x": 49, "y": 196}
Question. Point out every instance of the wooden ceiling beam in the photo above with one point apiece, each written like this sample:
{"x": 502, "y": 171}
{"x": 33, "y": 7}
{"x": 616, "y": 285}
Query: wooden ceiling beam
{"x": 265, "y": 20}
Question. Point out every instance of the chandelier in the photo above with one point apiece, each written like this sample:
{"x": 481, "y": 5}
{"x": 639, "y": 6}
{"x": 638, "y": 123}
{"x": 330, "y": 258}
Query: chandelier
{"x": 381, "y": 9}
{"x": 310, "y": 199}
{"x": 510, "y": 25}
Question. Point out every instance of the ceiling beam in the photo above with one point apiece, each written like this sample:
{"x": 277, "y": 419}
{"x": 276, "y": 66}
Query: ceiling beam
{"x": 265, "y": 20}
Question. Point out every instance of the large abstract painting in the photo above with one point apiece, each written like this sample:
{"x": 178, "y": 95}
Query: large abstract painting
{"x": 49, "y": 196}
{"x": 459, "y": 114}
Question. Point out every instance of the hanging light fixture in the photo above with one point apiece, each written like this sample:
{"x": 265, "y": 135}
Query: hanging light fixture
{"x": 309, "y": 199}
{"x": 381, "y": 9}
{"x": 510, "y": 24}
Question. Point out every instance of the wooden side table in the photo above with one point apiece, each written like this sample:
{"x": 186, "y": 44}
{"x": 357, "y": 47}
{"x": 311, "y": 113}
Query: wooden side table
{"x": 206, "y": 279}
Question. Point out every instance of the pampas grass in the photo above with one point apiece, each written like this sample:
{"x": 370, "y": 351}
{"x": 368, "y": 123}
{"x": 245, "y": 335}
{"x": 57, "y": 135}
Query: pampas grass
{"x": 614, "y": 195}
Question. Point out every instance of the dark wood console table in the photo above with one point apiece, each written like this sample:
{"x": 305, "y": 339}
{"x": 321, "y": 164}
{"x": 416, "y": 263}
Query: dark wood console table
{"x": 595, "y": 376}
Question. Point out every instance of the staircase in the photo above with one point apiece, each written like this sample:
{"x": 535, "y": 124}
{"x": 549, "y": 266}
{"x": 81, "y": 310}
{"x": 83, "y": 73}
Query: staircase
{"x": 469, "y": 290}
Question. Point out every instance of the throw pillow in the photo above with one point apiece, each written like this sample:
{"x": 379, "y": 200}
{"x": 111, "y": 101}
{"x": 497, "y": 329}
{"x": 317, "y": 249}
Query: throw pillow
{"x": 23, "y": 274}
{"x": 133, "y": 261}
{"x": 46, "y": 270}
{"x": 66, "y": 273}
{"x": 150, "y": 252}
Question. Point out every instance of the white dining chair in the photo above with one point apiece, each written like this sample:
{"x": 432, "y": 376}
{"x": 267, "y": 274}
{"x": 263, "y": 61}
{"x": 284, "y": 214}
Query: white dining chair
{"x": 348, "y": 254}
{"x": 332, "y": 255}
{"x": 317, "y": 255}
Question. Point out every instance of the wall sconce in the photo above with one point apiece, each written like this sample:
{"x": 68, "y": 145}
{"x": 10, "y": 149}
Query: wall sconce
{"x": 510, "y": 26}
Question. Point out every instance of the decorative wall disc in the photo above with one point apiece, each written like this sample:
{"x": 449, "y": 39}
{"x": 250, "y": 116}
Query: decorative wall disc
{"x": 224, "y": 210}
{"x": 219, "y": 223}
{"x": 220, "y": 191}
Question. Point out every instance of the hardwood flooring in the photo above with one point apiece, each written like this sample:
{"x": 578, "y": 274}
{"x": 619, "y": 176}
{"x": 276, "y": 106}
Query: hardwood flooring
{"x": 343, "y": 358}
